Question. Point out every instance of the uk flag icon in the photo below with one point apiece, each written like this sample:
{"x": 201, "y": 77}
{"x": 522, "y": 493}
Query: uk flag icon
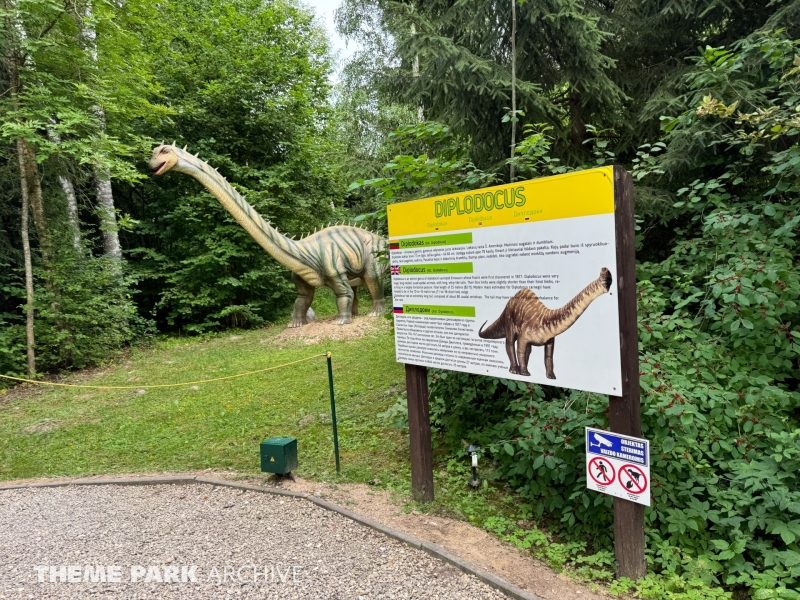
{"x": 395, "y": 269}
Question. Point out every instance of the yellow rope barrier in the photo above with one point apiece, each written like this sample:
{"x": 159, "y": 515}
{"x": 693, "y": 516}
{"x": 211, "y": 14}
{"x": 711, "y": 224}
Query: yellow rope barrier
{"x": 166, "y": 385}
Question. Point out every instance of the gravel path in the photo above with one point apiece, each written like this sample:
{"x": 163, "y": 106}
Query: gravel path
{"x": 153, "y": 533}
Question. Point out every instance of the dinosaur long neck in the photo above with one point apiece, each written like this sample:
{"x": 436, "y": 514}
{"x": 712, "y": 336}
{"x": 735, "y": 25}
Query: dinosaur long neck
{"x": 559, "y": 320}
{"x": 281, "y": 248}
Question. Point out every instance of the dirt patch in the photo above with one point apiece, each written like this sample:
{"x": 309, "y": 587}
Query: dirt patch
{"x": 29, "y": 391}
{"x": 25, "y": 390}
{"x": 327, "y": 329}
{"x": 43, "y": 426}
{"x": 310, "y": 419}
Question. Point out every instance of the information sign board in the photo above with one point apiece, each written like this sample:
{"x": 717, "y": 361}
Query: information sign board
{"x": 517, "y": 281}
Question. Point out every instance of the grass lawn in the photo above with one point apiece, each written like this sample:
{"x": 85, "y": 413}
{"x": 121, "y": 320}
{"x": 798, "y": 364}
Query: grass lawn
{"x": 70, "y": 431}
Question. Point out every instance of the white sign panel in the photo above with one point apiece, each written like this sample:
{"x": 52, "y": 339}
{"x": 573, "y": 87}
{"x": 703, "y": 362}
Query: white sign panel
{"x": 516, "y": 281}
{"x": 618, "y": 465}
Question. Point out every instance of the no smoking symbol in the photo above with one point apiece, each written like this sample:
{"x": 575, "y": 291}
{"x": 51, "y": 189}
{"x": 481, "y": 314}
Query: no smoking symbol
{"x": 633, "y": 479}
{"x": 601, "y": 471}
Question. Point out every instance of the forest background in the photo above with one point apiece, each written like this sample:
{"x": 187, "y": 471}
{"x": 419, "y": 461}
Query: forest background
{"x": 700, "y": 100}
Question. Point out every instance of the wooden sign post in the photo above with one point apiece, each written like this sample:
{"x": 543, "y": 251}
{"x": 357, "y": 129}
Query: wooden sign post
{"x": 624, "y": 414}
{"x": 419, "y": 433}
{"x": 473, "y": 268}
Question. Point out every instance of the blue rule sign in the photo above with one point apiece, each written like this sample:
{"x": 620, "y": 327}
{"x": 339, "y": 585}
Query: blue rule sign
{"x": 620, "y": 447}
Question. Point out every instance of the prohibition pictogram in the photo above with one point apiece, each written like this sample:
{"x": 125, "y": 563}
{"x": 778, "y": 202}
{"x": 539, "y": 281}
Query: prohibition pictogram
{"x": 601, "y": 471}
{"x": 633, "y": 479}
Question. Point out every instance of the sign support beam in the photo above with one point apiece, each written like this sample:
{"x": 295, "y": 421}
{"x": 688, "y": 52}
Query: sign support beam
{"x": 625, "y": 410}
{"x": 419, "y": 432}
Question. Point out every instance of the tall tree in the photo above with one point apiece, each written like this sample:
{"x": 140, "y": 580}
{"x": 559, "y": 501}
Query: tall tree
{"x": 612, "y": 64}
{"x": 12, "y": 61}
{"x": 69, "y": 195}
{"x": 28, "y": 261}
{"x": 102, "y": 175}
{"x": 464, "y": 49}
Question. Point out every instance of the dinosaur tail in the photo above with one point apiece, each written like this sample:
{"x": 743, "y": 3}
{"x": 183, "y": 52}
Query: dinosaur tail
{"x": 496, "y": 330}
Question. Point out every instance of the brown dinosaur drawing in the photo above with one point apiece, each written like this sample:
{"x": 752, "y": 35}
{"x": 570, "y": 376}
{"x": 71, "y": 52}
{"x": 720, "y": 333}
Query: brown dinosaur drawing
{"x": 526, "y": 322}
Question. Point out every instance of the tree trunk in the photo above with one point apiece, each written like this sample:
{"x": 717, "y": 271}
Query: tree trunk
{"x": 415, "y": 73}
{"x": 12, "y": 59}
{"x": 577, "y": 125}
{"x": 107, "y": 213}
{"x": 34, "y": 187}
{"x": 102, "y": 178}
{"x": 26, "y": 251}
{"x": 69, "y": 193}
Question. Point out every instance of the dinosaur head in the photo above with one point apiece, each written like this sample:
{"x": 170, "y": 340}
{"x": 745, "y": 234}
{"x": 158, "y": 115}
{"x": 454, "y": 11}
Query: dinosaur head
{"x": 605, "y": 278}
{"x": 165, "y": 157}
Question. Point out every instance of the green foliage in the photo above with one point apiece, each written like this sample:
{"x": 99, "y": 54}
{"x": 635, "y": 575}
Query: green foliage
{"x": 719, "y": 353}
{"x": 438, "y": 163}
{"x": 397, "y": 414}
{"x": 86, "y": 316}
{"x": 597, "y": 567}
{"x": 244, "y": 83}
{"x": 453, "y": 60}
{"x": 671, "y": 587}
{"x": 247, "y": 86}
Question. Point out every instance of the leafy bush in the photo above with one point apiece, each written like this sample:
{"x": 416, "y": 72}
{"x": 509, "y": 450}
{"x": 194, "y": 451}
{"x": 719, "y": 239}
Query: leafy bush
{"x": 85, "y": 316}
{"x": 719, "y": 351}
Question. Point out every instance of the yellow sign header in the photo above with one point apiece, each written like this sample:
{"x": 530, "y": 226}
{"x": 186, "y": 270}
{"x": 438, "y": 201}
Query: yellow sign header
{"x": 578, "y": 194}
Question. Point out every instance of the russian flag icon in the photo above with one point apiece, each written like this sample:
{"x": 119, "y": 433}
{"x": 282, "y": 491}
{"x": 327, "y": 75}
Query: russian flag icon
{"x": 398, "y": 310}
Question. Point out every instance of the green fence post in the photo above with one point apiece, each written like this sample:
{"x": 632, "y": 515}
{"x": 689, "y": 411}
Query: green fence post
{"x": 333, "y": 414}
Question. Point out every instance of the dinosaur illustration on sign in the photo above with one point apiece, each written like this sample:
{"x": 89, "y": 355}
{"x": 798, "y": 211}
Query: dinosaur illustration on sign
{"x": 339, "y": 257}
{"x": 526, "y": 322}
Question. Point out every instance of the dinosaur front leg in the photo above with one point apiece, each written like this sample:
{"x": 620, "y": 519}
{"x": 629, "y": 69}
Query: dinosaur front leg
{"x": 305, "y": 295}
{"x": 548, "y": 358}
{"x": 376, "y": 291}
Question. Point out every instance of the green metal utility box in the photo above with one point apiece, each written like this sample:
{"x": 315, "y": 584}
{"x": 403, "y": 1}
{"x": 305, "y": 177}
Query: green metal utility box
{"x": 279, "y": 455}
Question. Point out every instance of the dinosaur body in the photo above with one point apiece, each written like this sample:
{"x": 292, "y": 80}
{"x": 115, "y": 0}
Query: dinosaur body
{"x": 526, "y": 322}
{"x": 339, "y": 257}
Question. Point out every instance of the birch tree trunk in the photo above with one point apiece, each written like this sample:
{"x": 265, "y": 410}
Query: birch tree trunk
{"x": 107, "y": 212}
{"x": 29, "y": 169}
{"x": 69, "y": 193}
{"x": 102, "y": 178}
{"x": 26, "y": 251}
{"x": 12, "y": 60}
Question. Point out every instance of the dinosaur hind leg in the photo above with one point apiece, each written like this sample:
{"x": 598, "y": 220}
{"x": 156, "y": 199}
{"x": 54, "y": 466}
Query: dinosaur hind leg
{"x": 548, "y": 358}
{"x": 354, "y": 310}
{"x": 512, "y": 354}
{"x": 305, "y": 295}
